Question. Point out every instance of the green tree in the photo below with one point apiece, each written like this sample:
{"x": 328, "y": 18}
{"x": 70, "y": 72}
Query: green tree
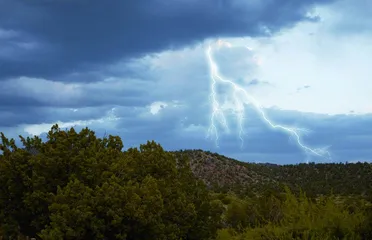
{"x": 78, "y": 186}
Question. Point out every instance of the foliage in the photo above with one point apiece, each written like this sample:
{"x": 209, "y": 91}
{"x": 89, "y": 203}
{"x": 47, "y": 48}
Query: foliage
{"x": 294, "y": 217}
{"x": 78, "y": 186}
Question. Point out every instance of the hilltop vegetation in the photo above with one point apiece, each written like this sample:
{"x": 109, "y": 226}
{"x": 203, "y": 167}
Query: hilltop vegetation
{"x": 224, "y": 174}
{"x": 77, "y": 186}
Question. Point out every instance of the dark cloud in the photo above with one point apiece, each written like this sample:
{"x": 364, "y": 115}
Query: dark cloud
{"x": 11, "y": 117}
{"x": 82, "y": 35}
{"x": 29, "y": 92}
{"x": 90, "y": 45}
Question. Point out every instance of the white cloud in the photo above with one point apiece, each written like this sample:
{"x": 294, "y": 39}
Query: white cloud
{"x": 171, "y": 107}
{"x": 155, "y": 107}
{"x": 108, "y": 121}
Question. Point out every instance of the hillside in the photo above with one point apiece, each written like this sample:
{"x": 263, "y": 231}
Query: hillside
{"x": 225, "y": 174}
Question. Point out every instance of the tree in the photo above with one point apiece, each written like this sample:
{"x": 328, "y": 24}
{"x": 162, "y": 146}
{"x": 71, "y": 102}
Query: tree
{"x": 78, "y": 186}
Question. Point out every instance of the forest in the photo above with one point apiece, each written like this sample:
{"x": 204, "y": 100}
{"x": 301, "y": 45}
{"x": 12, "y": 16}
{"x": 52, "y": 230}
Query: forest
{"x": 75, "y": 185}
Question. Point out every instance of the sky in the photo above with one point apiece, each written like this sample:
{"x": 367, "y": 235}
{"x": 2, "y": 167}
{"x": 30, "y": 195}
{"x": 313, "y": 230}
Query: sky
{"x": 141, "y": 69}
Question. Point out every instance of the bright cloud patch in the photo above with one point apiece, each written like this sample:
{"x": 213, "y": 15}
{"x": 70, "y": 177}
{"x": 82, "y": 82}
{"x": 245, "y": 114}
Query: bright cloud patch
{"x": 106, "y": 121}
{"x": 155, "y": 107}
{"x": 308, "y": 70}
{"x": 337, "y": 69}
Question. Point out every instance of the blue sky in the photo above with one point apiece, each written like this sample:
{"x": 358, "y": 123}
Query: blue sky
{"x": 139, "y": 69}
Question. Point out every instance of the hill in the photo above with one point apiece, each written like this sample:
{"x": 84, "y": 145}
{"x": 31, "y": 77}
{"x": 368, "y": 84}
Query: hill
{"x": 224, "y": 174}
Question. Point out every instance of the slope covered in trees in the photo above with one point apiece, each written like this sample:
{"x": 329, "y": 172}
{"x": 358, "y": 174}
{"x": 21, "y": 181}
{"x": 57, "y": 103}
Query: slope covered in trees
{"x": 77, "y": 186}
{"x": 221, "y": 173}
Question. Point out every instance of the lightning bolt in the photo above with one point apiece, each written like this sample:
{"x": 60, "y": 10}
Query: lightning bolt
{"x": 241, "y": 98}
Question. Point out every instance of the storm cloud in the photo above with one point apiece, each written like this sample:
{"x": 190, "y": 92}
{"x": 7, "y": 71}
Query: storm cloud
{"x": 109, "y": 65}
